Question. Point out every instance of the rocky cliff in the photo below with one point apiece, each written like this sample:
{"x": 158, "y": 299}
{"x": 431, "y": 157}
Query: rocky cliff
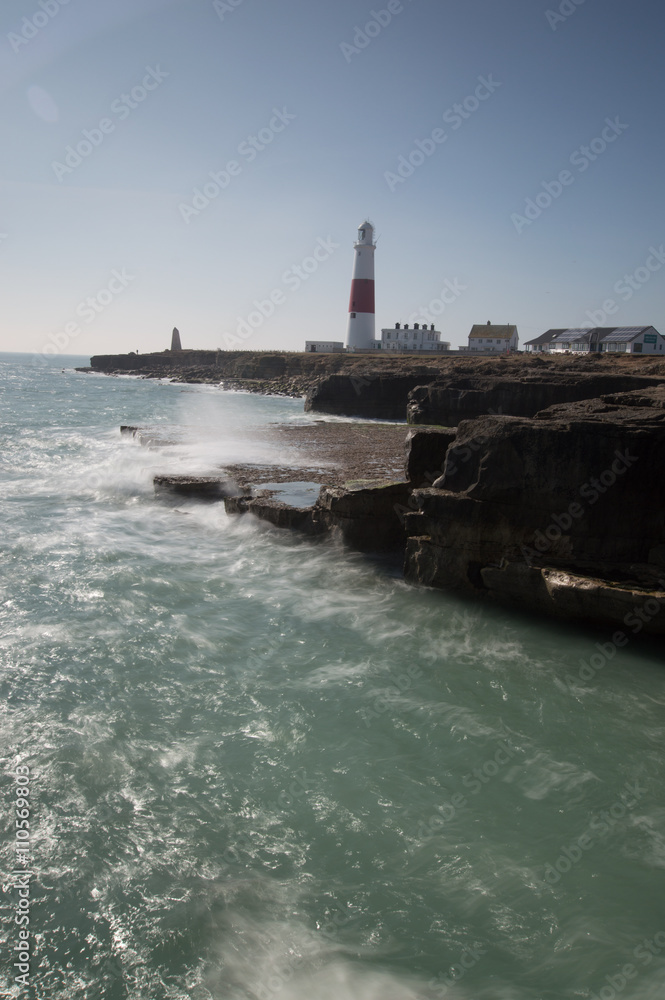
{"x": 375, "y": 395}
{"x": 449, "y": 401}
{"x": 293, "y": 373}
{"x": 563, "y": 513}
{"x": 432, "y": 390}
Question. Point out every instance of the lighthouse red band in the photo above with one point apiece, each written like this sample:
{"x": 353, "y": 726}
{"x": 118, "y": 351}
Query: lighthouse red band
{"x": 362, "y": 295}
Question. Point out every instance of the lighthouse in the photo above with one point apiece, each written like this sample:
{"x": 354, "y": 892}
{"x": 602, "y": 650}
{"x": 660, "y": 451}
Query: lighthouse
{"x": 360, "y": 333}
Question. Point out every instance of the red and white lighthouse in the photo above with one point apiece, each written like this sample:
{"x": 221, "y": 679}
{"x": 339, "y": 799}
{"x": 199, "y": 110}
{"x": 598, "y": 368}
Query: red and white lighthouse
{"x": 360, "y": 333}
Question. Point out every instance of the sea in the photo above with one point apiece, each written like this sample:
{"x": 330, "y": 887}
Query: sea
{"x": 244, "y": 765}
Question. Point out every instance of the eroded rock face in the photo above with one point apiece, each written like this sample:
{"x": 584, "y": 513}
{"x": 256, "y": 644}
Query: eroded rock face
{"x": 426, "y": 449}
{"x": 452, "y": 400}
{"x": 531, "y": 511}
{"x": 382, "y": 397}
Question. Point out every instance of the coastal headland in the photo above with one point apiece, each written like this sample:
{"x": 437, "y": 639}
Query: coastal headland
{"x": 532, "y": 481}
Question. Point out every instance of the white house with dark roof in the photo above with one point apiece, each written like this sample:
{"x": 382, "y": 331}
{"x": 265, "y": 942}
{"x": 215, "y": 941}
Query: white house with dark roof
{"x": 634, "y": 340}
{"x": 542, "y": 344}
{"x": 579, "y": 340}
{"x": 492, "y": 339}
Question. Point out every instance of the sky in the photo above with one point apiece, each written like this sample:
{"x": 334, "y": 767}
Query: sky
{"x": 205, "y": 164}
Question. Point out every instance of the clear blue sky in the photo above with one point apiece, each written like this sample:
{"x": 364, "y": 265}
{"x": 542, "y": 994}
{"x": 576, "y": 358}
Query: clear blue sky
{"x": 347, "y": 113}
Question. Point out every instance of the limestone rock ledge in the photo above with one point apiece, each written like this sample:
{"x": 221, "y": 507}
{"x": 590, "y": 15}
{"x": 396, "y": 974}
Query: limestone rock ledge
{"x": 563, "y": 513}
{"x": 365, "y": 515}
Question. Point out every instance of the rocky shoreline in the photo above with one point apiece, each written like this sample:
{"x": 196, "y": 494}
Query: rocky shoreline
{"x": 531, "y": 482}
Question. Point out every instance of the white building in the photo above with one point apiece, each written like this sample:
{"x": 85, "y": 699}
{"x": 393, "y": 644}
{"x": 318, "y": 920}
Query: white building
{"x": 324, "y": 347}
{"x": 543, "y": 343}
{"x": 420, "y": 338}
{"x": 579, "y": 340}
{"x": 633, "y": 340}
{"x": 583, "y": 340}
{"x": 492, "y": 339}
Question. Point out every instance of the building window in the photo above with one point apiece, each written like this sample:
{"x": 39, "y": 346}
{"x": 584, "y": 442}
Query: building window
{"x": 637, "y": 348}
{"x": 353, "y": 315}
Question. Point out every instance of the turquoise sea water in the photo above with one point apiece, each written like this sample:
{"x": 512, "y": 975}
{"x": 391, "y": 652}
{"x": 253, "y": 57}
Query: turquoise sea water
{"x": 263, "y": 767}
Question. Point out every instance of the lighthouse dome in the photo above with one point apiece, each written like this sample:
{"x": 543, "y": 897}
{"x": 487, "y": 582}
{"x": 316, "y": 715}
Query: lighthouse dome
{"x": 366, "y": 233}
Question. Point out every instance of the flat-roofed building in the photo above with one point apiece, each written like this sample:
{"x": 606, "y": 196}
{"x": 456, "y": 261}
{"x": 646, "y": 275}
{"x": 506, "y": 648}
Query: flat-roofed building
{"x": 324, "y": 347}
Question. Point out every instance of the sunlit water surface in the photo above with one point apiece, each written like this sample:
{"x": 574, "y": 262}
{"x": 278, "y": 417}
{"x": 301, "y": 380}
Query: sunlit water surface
{"x": 264, "y": 767}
